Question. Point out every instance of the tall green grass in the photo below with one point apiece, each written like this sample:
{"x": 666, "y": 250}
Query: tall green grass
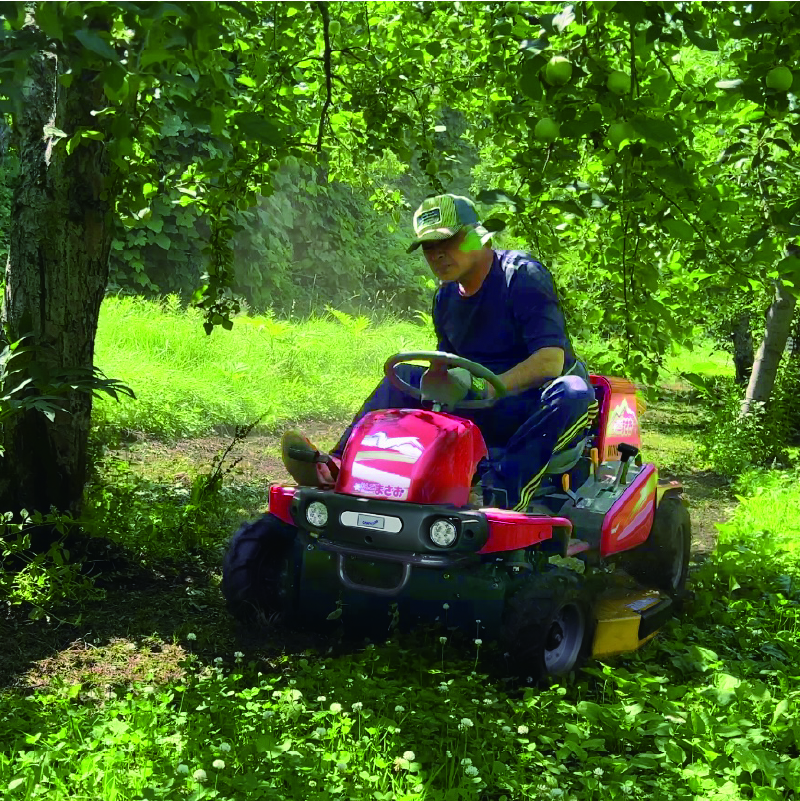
{"x": 187, "y": 382}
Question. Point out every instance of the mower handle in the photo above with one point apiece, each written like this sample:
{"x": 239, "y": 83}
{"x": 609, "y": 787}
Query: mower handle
{"x": 439, "y": 362}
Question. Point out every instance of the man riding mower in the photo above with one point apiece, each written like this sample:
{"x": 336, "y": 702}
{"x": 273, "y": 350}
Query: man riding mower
{"x": 383, "y": 525}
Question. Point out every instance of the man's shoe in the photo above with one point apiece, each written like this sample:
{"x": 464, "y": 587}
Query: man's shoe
{"x": 305, "y": 473}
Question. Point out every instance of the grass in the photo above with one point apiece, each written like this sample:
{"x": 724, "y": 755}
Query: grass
{"x": 152, "y": 696}
{"x": 187, "y": 382}
{"x": 706, "y": 711}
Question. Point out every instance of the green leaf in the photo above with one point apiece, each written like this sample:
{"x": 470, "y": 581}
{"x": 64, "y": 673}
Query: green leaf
{"x": 163, "y": 241}
{"x": 434, "y": 48}
{"x": 92, "y": 41}
{"x": 256, "y": 126}
{"x": 679, "y": 229}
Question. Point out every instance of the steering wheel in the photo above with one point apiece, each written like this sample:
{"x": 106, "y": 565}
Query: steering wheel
{"x": 436, "y": 384}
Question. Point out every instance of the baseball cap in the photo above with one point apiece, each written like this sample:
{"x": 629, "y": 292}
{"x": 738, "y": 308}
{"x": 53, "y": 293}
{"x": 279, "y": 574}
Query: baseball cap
{"x": 443, "y": 216}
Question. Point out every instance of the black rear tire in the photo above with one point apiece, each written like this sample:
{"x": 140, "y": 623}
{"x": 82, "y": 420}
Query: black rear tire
{"x": 547, "y": 626}
{"x": 258, "y": 572}
{"x": 662, "y": 561}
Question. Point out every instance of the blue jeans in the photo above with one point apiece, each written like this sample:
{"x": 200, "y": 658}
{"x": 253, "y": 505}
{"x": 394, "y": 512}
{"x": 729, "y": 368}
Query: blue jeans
{"x": 522, "y": 432}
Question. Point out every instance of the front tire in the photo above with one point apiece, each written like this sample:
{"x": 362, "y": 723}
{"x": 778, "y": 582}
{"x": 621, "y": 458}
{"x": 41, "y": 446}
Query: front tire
{"x": 662, "y": 561}
{"x": 258, "y": 572}
{"x": 547, "y": 626}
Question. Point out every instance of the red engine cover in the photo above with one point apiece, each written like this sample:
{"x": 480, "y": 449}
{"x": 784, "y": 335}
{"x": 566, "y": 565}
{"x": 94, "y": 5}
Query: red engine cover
{"x": 411, "y": 455}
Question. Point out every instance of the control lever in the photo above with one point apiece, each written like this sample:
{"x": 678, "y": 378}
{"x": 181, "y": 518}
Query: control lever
{"x": 312, "y": 455}
{"x": 626, "y": 453}
{"x": 565, "y": 482}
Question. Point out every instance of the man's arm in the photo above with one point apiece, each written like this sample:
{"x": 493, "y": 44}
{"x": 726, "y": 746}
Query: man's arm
{"x": 540, "y": 367}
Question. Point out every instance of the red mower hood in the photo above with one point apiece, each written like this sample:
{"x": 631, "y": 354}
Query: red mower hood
{"x": 412, "y": 455}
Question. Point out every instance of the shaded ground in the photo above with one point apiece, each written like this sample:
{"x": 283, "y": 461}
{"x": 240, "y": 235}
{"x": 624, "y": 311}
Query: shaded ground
{"x": 153, "y": 617}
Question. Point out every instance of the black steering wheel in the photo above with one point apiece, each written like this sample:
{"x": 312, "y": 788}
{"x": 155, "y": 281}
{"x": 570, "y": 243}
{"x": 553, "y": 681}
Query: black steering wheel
{"x": 436, "y": 384}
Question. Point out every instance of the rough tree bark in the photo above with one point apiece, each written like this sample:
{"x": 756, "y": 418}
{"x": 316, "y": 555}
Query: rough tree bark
{"x": 59, "y": 240}
{"x": 776, "y": 332}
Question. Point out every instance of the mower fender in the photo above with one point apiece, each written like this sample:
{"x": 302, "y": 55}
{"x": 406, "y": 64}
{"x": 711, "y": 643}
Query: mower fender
{"x": 280, "y": 501}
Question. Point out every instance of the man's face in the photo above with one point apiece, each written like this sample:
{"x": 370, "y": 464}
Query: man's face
{"x": 451, "y": 259}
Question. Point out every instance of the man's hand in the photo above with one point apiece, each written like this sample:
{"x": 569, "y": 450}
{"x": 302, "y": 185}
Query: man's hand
{"x": 474, "y": 388}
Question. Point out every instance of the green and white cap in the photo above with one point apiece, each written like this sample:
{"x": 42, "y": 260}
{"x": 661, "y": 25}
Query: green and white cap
{"x": 443, "y": 216}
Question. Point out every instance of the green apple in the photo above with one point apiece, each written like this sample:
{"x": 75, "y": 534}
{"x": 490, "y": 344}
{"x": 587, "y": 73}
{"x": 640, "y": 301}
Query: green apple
{"x": 618, "y": 132}
{"x": 777, "y": 12}
{"x": 779, "y": 79}
{"x": 334, "y": 27}
{"x": 558, "y": 71}
{"x": 274, "y": 164}
{"x": 546, "y": 129}
{"x": 619, "y": 82}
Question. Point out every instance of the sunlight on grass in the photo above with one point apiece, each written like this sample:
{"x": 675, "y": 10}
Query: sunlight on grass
{"x": 187, "y": 382}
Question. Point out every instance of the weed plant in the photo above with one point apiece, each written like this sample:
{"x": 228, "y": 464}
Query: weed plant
{"x": 187, "y": 382}
{"x": 708, "y": 710}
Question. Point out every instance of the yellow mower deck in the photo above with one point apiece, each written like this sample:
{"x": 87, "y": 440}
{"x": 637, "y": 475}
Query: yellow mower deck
{"x": 627, "y": 619}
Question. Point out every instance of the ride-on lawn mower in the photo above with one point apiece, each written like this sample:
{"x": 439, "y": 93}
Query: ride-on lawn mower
{"x": 590, "y": 571}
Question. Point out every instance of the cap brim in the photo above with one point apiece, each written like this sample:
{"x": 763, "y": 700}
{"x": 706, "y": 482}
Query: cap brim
{"x": 436, "y": 235}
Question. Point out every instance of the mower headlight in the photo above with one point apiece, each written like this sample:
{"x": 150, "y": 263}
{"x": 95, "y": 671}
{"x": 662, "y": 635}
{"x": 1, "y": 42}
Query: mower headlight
{"x": 317, "y": 514}
{"x": 443, "y": 533}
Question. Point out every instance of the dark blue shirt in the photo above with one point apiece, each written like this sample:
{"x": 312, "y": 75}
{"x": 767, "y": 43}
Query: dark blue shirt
{"x": 514, "y": 314}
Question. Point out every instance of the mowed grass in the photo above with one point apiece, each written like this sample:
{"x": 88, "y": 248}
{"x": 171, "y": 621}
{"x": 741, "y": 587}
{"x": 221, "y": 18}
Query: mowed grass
{"x": 187, "y": 382}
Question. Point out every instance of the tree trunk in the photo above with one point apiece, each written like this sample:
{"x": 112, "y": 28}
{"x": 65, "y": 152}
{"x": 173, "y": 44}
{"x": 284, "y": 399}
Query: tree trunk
{"x": 59, "y": 241}
{"x": 743, "y": 355}
{"x": 776, "y": 332}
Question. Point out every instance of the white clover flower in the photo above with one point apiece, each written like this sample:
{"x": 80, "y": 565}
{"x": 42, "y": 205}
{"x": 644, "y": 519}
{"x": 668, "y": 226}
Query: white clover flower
{"x": 488, "y": 701}
{"x": 445, "y": 607}
{"x": 442, "y": 640}
{"x": 399, "y": 708}
{"x": 218, "y": 764}
{"x": 358, "y": 706}
{"x": 312, "y": 783}
{"x": 191, "y": 636}
{"x": 409, "y": 755}
{"x": 321, "y": 698}
{"x": 225, "y": 747}
{"x": 522, "y": 729}
{"x": 336, "y": 708}
{"x": 449, "y": 754}
{"x": 475, "y": 701}
{"x": 479, "y": 642}
{"x": 217, "y": 660}
{"x": 199, "y": 775}
{"x": 321, "y": 731}
{"x": 183, "y": 770}
{"x": 444, "y": 687}
{"x": 466, "y": 761}
{"x": 471, "y": 770}
{"x": 466, "y": 723}
{"x": 238, "y": 655}
{"x": 598, "y": 772}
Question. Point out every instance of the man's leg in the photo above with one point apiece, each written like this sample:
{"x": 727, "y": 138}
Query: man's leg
{"x": 566, "y": 407}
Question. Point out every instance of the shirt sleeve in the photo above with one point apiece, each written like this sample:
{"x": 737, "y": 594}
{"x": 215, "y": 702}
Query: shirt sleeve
{"x": 442, "y": 342}
{"x": 535, "y": 307}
